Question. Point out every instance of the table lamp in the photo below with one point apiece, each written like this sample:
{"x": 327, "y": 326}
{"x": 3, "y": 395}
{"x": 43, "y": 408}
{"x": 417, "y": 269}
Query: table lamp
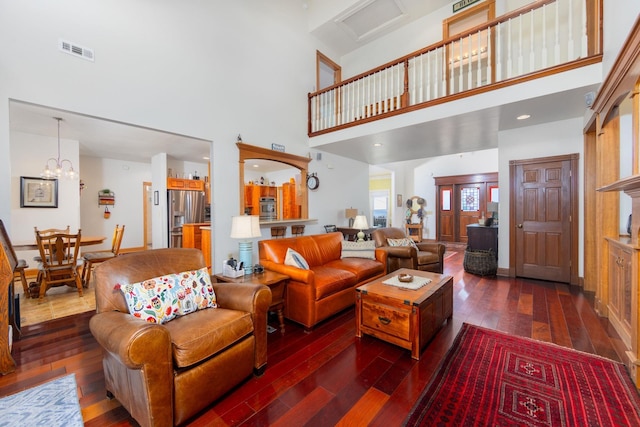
{"x": 360, "y": 223}
{"x": 350, "y": 214}
{"x": 245, "y": 227}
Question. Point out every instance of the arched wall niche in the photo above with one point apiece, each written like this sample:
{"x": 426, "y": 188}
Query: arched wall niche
{"x": 249, "y": 152}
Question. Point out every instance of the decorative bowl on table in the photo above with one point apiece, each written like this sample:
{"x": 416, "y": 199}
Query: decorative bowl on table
{"x": 406, "y": 278}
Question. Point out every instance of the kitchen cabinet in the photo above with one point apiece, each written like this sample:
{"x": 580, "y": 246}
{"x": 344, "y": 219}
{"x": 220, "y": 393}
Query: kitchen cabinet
{"x": 205, "y": 244}
{"x": 253, "y": 193}
{"x": 185, "y": 184}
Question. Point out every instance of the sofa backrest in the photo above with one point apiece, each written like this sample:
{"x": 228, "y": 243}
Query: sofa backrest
{"x": 316, "y": 249}
{"x": 136, "y": 267}
{"x": 381, "y": 235}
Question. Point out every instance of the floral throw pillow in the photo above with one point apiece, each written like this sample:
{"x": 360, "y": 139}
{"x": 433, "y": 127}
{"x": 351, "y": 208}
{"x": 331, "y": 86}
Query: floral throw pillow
{"x": 163, "y": 298}
{"x": 402, "y": 242}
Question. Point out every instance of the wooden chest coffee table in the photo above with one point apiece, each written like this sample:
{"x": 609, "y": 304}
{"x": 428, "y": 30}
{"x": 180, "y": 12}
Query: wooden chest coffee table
{"x": 407, "y": 318}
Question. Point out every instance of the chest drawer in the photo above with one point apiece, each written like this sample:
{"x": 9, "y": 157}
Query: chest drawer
{"x": 386, "y": 319}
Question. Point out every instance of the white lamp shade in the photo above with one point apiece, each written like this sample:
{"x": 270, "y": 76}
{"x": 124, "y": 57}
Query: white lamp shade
{"x": 245, "y": 227}
{"x": 360, "y": 223}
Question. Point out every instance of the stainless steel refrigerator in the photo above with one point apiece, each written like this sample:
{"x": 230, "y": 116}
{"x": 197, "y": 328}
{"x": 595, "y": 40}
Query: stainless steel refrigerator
{"x": 185, "y": 207}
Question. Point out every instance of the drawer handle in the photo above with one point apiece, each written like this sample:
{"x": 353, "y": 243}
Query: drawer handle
{"x": 384, "y": 320}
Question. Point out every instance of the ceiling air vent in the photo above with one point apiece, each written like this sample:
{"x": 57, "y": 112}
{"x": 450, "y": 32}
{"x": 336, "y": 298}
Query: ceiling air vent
{"x": 76, "y": 50}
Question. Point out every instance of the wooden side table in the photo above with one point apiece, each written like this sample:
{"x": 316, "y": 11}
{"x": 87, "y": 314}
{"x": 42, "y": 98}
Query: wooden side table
{"x": 275, "y": 281}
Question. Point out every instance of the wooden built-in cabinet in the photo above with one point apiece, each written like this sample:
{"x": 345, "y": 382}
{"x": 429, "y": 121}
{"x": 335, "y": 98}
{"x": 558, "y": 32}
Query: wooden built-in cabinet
{"x": 611, "y": 260}
{"x": 185, "y": 184}
{"x": 623, "y": 266}
{"x": 192, "y": 235}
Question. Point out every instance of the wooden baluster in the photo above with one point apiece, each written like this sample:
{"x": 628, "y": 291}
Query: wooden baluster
{"x": 498, "y": 53}
{"x": 404, "y": 101}
{"x": 479, "y": 60}
{"x": 460, "y": 72}
{"x": 583, "y": 29}
{"x": 428, "y": 54}
{"x": 544, "y": 51}
{"x": 470, "y": 64}
{"x": 520, "y": 59}
{"x": 509, "y": 54}
{"x": 444, "y": 71}
{"x": 570, "y": 46}
{"x": 556, "y": 48}
{"x": 532, "y": 49}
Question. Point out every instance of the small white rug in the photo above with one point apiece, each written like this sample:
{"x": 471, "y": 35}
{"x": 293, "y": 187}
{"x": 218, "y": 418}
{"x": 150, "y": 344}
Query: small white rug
{"x": 52, "y": 404}
{"x": 416, "y": 283}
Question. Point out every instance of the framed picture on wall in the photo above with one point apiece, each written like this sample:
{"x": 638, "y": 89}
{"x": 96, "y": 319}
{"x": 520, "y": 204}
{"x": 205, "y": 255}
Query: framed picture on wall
{"x": 38, "y": 192}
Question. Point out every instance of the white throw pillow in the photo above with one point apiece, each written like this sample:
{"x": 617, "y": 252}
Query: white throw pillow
{"x": 294, "y": 259}
{"x": 366, "y": 249}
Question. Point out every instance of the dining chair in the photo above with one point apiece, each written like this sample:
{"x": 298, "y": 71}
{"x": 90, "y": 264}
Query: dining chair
{"x": 59, "y": 260}
{"x": 96, "y": 257}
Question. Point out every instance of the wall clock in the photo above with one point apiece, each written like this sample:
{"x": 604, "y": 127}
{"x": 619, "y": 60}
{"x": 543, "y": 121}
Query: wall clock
{"x": 313, "y": 182}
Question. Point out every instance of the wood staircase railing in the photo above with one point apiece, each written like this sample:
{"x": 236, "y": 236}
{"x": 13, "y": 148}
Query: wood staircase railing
{"x": 540, "y": 39}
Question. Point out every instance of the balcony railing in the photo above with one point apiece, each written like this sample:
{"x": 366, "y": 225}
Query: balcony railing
{"x": 533, "y": 41}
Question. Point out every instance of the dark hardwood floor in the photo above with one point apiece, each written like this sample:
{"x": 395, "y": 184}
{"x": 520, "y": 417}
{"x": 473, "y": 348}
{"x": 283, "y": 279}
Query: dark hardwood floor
{"x": 330, "y": 377}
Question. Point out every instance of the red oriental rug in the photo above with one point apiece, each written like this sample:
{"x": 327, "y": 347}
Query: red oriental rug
{"x": 489, "y": 378}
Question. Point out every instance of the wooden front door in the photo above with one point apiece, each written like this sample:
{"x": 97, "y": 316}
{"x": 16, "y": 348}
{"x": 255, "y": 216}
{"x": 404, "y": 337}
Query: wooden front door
{"x": 543, "y": 204}
{"x": 462, "y": 200}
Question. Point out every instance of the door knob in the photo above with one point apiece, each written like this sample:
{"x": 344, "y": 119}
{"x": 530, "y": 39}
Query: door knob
{"x": 519, "y": 225}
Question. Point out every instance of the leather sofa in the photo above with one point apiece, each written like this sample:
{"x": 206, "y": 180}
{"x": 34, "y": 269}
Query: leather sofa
{"x": 427, "y": 257}
{"x": 164, "y": 374}
{"x": 328, "y": 287}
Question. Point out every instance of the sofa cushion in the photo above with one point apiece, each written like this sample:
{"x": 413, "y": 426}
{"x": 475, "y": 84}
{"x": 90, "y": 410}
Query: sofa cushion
{"x": 163, "y": 298}
{"x": 330, "y": 280}
{"x": 366, "y": 249}
{"x": 363, "y": 268}
{"x": 294, "y": 259}
{"x": 204, "y": 333}
{"x": 425, "y": 257}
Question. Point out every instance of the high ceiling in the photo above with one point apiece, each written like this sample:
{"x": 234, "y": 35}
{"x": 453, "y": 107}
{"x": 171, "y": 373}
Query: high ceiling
{"x": 359, "y": 23}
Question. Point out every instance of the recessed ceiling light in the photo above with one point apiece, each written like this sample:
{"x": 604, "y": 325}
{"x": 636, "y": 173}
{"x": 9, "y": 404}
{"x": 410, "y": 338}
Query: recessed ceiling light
{"x": 255, "y": 166}
{"x": 377, "y": 144}
{"x": 523, "y": 117}
{"x": 205, "y": 158}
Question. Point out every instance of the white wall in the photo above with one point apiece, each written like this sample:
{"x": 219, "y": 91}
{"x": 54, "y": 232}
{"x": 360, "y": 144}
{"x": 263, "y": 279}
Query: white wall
{"x": 222, "y": 69}
{"x": 550, "y": 139}
{"x": 416, "y": 178}
{"x": 125, "y": 179}
{"x": 29, "y": 153}
{"x": 618, "y": 18}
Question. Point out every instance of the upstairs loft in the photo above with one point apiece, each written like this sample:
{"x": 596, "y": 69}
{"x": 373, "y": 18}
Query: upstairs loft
{"x": 544, "y": 55}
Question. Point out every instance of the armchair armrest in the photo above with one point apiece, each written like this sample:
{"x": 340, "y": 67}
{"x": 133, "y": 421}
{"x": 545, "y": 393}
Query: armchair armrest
{"x": 433, "y": 247}
{"x": 134, "y": 342}
{"x": 254, "y": 299}
{"x": 400, "y": 251}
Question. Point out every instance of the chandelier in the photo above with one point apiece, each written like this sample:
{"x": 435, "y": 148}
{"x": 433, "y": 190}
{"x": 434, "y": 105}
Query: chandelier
{"x": 62, "y": 168}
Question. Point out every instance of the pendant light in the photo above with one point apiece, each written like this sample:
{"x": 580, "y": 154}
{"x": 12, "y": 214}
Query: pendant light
{"x": 62, "y": 168}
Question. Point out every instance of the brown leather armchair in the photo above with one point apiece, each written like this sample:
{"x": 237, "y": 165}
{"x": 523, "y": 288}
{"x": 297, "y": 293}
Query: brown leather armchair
{"x": 165, "y": 374}
{"x": 428, "y": 257}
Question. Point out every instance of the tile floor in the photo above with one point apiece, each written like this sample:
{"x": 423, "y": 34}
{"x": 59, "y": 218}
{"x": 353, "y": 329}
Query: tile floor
{"x": 59, "y": 302}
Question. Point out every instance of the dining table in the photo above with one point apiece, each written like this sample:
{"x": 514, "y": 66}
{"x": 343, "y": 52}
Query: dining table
{"x": 84, "y": 241}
